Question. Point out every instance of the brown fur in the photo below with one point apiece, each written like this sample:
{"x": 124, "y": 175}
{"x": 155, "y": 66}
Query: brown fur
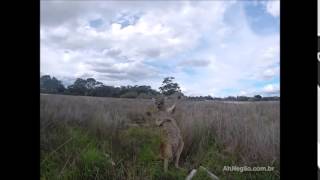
{"x": 171, "y": 140}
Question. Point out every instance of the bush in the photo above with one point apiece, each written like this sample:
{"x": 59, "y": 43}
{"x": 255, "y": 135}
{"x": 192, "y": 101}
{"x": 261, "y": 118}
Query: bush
{"x": 129, "y": 95}
{"x": 141, "y": 144}
{"x": 93, "y": 163}
{"x": 144, "y": 96}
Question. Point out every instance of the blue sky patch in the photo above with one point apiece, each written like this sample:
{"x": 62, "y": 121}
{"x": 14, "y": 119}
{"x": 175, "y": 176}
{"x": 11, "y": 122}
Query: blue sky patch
{"x": 260, "y": 20}
{"x": 96, "y": 23}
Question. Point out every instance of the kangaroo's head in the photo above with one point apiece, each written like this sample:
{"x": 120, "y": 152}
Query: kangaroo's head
{"x": 160, "y": 105}
{"x": 160, "y": 114}
{"x": 160, "y": 121}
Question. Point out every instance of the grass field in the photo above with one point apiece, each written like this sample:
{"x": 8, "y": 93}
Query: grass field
{"x": 110, "y": 138}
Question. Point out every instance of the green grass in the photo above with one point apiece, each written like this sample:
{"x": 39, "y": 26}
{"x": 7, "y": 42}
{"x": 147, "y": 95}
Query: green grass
{"x": 201, "y": 175}
{"x": 214, "y": 159}
{"x": 75, "y": 153}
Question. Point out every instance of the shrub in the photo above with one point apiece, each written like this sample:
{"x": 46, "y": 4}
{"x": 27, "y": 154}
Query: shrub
{"x": 130, "y": 95}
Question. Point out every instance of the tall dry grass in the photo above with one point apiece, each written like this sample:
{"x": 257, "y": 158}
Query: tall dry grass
{"x": 248, "y": 131}
{"x": 251, "y": 131}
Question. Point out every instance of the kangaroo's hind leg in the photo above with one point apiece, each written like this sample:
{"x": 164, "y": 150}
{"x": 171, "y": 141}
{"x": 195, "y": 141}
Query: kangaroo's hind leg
{"x": 165, "y": 164}
{"x": 178, "y": 153}
{"x": 166, "y": 151}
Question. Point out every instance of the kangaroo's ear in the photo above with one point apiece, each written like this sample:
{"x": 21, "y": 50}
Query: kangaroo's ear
{"x": 171, "y": 109}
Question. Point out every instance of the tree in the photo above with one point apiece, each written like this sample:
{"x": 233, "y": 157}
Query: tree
{"x": 86, "y": 87}
{"x": 168, "y": 87}
{"x": 242, "y": 98}
{"x": 106, "y": 91}
{"x": 257, "y": 97}
{"x": 51, "y": 85}
{"x": 230, "y": 98}
{"x": 92, "y": 83}
{"x": 78, "y": 87}
{"x": 91, "y": 87}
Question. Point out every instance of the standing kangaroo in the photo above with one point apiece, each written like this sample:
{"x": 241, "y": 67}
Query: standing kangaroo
{"x": 171, "y": 140}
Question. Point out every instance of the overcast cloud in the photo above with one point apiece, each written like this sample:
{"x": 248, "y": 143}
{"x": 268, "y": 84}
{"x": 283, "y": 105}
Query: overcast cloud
{"x": 216, "y": 48}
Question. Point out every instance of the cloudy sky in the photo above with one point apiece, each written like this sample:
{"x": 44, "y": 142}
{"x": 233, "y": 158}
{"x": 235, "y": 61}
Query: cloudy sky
{"x": 216, "y": 48}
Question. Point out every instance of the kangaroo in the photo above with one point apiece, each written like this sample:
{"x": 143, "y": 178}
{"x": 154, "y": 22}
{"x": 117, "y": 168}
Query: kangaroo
{"x": 171, "y": 140}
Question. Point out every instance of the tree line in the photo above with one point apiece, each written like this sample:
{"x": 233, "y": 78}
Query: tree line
{"x": 92, "y": 87}
{"x": 235, "y": 98}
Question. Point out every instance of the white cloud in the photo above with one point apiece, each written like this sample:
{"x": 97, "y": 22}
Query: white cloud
{"x": 154, "y": 34}
{"x": 271, "y": 89}
{"x": 195, "y": 63}
{"x": 159, "y": 34}
{"x": 244, "y": 93}
{"x": 271, "y": 72}
{"x": 267, "y": 90}
{"x": 60, "y": 31}
{"x": 248, "y": 58}
{"x": 273, "y": 7}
